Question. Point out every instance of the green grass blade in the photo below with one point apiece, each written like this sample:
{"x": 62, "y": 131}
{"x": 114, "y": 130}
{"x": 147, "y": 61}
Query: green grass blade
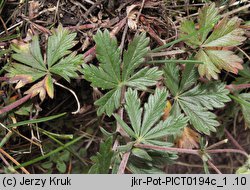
{"x": 67, "y": 148}
{"x": 55, "y": 135}
{"x": 35, "y": 120}
{"x": 50, "y": 153}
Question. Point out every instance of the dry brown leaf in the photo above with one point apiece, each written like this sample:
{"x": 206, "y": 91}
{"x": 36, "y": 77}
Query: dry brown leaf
{"x": 38, "y": 88}
{"x": 132, "y": 15}
{"x": 188, "y": 139}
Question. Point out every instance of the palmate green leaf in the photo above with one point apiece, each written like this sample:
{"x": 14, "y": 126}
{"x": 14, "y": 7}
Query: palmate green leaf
{"x": 133, "y": 109}
{"x": 109, "y": 102}
{"x": 149, "y": 128}
{"x": 114, "y": 74}
{"x": 31, "y": 65}
{"x": 135, "y": 54}
{"x": 31, "y": 55}
{"x": 98, "y": 77}
{"x": 209, "y": 96}
{"x": 108, "y": 53}
{"x": 67, "y": 67}
{"x": 189, "y": 77}
{"x": 204, "y": 121}
{"x": 23, "y": 74}
{"x": 171, "y": 74}
{"x": 207, "y": 18}
{"x": 153, "y": 110}
{"x": 187, "y": 28}
{"x": 102, "y": 159}
{"x": 197, "y": 102}
{"x": 152, "y": 130}
{"x": 171, "y": 126}
{"x": 144, "y": 78}
{"x": 59, "y": 45}
{"x": 215, "y": 60}
{"x": 226, "y": 34}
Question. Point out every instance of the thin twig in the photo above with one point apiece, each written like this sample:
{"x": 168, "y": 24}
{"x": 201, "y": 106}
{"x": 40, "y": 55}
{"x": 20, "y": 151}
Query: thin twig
{"x": 217, "y": 144}
{"x": 139, "y": 14}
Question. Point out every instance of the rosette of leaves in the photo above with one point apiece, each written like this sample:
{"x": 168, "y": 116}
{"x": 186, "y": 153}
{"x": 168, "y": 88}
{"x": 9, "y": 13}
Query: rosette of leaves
{"x": 31, "y": 66}
{"x": 146, "y": 127}
{"x": 194, "y": 99}
{"x": 214, "y": 44}
{"x": 114, "y": 74}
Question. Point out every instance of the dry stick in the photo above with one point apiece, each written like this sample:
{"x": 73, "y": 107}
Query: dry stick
{"x": 86, "y": 14}
{"x": 15, "y": 104}
{"x": 138, "y": 16}
{"x": 82, "y": 27}
{"x": 10, "y": 28}
{"x": 214, "y": 167}
{"x": 233, "y": 140}
{"x": 242, "y": 51}
{"x": 14, "y": 161}
{"x": 236, "y": 10}
{"x": 4, "y": 26}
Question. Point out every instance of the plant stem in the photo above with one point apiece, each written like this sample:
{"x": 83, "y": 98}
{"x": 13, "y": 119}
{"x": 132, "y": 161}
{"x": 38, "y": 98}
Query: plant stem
{"x": 190, "y": 151}
{"x": 228, "y": 151}
{"x": 15, "y": 104}
{"x": 214, "y": 167}
{"x": 123, "y": 163}
{"x": 168, "y": 149}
